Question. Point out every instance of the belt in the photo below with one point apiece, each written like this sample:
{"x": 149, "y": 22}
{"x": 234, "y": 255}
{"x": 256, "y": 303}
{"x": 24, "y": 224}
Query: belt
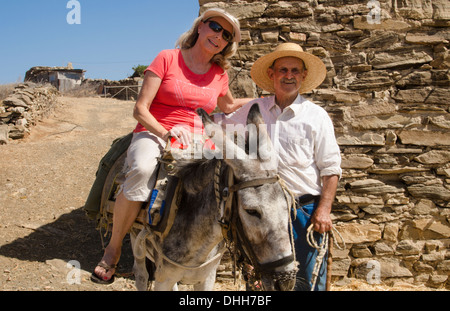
{"x": 307, "y": 199}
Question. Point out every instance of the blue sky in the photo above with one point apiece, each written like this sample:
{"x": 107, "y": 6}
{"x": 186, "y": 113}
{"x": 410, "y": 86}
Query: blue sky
{"x": 113, "y": 37}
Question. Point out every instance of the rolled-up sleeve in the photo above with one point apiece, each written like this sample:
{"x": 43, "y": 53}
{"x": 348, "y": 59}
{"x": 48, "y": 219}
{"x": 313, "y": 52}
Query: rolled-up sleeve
{"x": 328, "y": 153}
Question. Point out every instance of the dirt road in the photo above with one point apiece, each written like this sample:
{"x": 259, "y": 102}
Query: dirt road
{"x": 44, "y": 181}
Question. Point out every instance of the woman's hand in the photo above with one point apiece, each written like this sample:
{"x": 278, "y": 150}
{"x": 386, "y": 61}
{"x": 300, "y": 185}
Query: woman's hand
{"x": 181, "y": 133}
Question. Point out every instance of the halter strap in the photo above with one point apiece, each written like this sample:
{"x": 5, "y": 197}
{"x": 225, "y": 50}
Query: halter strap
{"x": 234, "y": 232}
{"x": 254, "y": 183}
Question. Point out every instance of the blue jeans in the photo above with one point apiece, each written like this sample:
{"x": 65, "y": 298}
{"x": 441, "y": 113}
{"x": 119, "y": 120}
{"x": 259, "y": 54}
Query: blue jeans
{"x": 306, "y": 255}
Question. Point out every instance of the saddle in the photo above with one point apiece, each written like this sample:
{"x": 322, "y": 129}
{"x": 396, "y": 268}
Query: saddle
{"x": 159, "y": 212}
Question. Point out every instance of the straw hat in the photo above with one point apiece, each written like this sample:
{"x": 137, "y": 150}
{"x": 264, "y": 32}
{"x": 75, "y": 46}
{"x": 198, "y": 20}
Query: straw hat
{"x": 230, "y": 18}
{"x": 316, "y": 68}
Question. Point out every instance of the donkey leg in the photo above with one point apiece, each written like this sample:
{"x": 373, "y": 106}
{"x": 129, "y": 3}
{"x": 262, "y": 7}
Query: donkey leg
{"x": 165, "y": 286}
{"x": 140, "y": 274}
{"x": 139, "y": 268}
{"x": 208, "y": 283}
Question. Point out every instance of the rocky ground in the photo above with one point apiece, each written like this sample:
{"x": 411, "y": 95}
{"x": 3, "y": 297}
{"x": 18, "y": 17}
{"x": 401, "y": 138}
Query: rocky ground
{"x": 44, "y": 181}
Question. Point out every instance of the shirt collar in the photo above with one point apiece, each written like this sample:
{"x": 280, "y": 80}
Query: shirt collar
{"x": 295, "y": 107}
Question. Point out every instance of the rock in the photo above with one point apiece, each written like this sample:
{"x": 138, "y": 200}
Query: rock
{"x": 434, "y": 157}
{"x": 423, "y": 207}
{"x": 288, "y": 9}
{"x": 373, "y": 80}
{"x": 399, "y": 59}
{"x": 426, "y": 40}
{"x": 438, "y": 96}
{"x": 270, "y": 36}
{"x": 441, "y": 61}
{"x": 297, "y": 37}
{"x": 241, "y": 10}
{"x": 396, "y": 170}
{"x": 361, "y": 251}
{"x": 384, "y": 39}
{"x": 355, "y": 161}
{"x": 338, "y": 96}
{"x": 363, "y": 140}
{"x": 424, "y": 138}
{"x": 388, "y": 268}
{"x": 413, "y": 95}
{"x": 340, "y": 267}
{"x": 383, "y": 249}
{"x": 4, "y": 130}
{"x": 360, "y": 22}
{"x": 408, "y": 247}
{"x": 440, "y": 228}
{"x": 359, "y": 233}
{"x": 375, "y": 108}
{"x": 436, "y": 192}
{"x": 13, "y": 101}
{"x": 419, "y": 78}
{"x": 390, "y": 232}
{"x": 372, "y": 186}
{"x": 440, "y": 121}
{"x": 444, "y": 266}
{"x": 381, "y": 122}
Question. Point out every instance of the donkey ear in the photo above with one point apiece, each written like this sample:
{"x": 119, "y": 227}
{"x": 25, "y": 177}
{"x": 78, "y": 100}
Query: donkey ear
{"x": 206, "y": 119}
{"x": 254, "y": 116}
{"x": 258, "y": 138}
{"x": 215, "y": 132}
{"x": 211, "y": 128}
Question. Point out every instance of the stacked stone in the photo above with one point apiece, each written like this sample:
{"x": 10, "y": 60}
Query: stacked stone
{"x": 28, "y": 104}
{"x": 387, "y": 91}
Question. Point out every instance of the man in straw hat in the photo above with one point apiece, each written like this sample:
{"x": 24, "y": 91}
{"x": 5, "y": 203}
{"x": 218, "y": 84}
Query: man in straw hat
{"x": 303, "y": 134}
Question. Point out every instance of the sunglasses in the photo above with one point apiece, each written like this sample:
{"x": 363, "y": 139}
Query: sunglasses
{"x": 216, "y": 27}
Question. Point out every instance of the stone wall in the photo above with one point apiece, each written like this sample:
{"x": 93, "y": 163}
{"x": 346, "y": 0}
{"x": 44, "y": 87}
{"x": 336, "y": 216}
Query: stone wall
{"x": 387, "y": 91}
{"x": 21, "y": 110}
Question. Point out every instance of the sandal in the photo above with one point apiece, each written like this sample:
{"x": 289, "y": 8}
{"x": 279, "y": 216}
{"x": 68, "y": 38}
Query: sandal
{"x": 96, "y": 279}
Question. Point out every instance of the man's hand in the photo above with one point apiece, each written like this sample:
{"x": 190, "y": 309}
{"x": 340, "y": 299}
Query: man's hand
{"x": 321, "y": 219}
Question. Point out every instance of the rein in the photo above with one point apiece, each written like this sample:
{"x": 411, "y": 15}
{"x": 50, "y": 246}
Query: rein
{"x": 232, "y": 229}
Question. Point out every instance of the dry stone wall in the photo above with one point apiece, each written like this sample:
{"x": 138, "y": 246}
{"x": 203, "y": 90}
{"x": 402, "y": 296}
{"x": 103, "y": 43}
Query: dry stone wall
{"x": 21, "y": 110}
{"x": 387, "y": 91}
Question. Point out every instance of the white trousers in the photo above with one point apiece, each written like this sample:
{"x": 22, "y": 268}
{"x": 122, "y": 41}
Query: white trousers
{"x": 140, "y": 166}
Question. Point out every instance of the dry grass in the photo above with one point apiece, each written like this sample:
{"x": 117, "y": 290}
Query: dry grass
{"x": 6, "y": 90}
{"x": 84, "y": 90}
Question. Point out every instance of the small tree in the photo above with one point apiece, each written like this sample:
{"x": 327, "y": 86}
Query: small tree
{"x": 138, "y": 71}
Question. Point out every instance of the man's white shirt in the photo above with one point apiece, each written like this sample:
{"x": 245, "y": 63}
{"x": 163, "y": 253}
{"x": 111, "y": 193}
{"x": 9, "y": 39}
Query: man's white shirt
{"x": 303, "y": 138}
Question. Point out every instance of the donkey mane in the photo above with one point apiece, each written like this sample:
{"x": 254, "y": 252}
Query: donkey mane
{"x": 195, "y": 173}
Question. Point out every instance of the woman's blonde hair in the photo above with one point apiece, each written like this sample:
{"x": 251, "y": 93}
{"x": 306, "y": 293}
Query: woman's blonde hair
{"x": 189, "y": 38}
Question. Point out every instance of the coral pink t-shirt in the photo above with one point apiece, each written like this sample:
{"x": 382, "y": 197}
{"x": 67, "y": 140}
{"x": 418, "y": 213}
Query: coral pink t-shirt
{"x": 182, "y": 91}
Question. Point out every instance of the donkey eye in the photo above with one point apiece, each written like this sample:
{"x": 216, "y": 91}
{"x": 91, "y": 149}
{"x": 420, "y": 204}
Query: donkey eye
{"x": 253, "y": 212}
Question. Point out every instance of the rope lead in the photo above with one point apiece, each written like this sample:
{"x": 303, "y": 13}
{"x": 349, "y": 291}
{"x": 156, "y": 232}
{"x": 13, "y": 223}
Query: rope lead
{"x": 322, "y": 249}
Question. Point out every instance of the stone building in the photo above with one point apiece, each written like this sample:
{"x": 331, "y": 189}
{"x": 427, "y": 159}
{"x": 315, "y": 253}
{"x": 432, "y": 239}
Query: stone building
{"x": 387, "y": 91}
{"x": 62, "y": 78}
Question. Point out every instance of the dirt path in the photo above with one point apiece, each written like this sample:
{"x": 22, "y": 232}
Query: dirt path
{"x": 44, "y": 181}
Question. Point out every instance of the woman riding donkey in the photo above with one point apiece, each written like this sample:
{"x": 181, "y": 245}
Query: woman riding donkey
{"x": 178, "y": 82}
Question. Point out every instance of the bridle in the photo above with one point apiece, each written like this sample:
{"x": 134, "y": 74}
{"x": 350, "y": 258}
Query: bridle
{"x": 232, "y": 228}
